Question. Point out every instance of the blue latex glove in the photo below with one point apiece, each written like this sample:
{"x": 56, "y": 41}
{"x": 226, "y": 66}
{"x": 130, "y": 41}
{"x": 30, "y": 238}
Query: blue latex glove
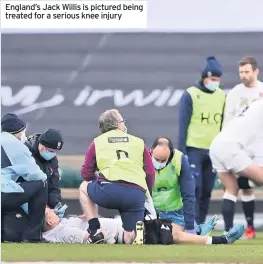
{"x": 197, "y": 228}
{"x": 60, "y": 210}
{"x": 25, "y": 207}
{"x": 193, "y": 232}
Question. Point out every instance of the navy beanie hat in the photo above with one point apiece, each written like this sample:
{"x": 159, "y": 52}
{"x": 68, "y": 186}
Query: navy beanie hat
{"x": 212, "y": 68}
{"x": 52, "y": 138}
{"x": 11, "y": 123}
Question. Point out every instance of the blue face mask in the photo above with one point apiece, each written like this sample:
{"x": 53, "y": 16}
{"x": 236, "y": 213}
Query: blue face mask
{"x": 212, "y": 86}
{"x": 157, "y": 165}
{"x": 47, "y": 155}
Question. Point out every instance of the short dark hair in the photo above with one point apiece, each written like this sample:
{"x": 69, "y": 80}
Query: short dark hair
{"x": 156, "y": 143}
{"x": 249, "y": 60}
{"x": 170, "y": 144}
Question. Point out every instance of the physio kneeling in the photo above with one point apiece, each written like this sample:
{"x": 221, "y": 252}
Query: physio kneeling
{"x": 125, "y": 172}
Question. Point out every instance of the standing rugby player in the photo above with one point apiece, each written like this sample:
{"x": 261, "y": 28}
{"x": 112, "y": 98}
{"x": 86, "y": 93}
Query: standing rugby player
{"x": 231, "y": 152}
{"x": 241, "y": 96}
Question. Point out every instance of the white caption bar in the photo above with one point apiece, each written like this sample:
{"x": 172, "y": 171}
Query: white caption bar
{"x": 73, "y": 14}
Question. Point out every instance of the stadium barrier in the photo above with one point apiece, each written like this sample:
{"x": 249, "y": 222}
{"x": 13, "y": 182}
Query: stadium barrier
{"x": 71, "y": 178}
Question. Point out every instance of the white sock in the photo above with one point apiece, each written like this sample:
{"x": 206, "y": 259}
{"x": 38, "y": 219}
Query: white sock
{"x": 229, "y": 196}
{"x": 209, "y": 241}
{"x": 247, "y": 198}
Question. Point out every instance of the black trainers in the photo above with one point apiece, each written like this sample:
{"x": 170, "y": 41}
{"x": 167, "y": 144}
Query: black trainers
{"x": 97, "y": 238}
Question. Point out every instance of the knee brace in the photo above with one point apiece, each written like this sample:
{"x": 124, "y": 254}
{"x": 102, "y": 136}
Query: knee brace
{"x": 244, "y": 183}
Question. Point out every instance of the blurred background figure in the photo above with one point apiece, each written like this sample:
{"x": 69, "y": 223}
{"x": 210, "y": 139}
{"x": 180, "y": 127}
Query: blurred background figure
{"x": 241, "y": 96}
{"x": 200, "y": 120}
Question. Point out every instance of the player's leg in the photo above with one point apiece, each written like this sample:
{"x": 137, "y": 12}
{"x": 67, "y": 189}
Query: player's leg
{"x": 226, "y": 160}
{"x": 90, "y": 210}
{"x": 208, "y": 182}
{"x": 195, "y": 157}
{"x": 177, "y": 218}
{"x": 254, "y": 172}
{"x": 248, "y": 198}
{"x": 132, "y": 212}
{"x": 240, "y": 164}
{"x": 113, "y": 230}
{"x": 229, "y": 198}
{"x": 128, "y": 200}
{"x": 248, "y": 205}
{"x": 184, "y": 238}
{"x": 231, "y": 185}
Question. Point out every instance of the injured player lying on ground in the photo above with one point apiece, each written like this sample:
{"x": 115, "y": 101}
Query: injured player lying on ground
{"x": 157, "y": 231}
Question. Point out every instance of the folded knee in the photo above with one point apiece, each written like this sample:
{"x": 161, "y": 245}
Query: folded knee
{"x": 245, "y": 184}
{"x": 83, "y": 187}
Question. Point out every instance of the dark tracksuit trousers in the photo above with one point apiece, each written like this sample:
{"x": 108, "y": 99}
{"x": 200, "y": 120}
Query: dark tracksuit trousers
{"x": 35, "y": 194}
{"x": 198, "y": 158}
{"x": 202, "y": 170}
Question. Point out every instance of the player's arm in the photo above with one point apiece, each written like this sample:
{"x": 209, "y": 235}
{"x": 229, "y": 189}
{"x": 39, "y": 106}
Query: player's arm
{"x": 187, "y": 188}
{"x": 90, "y": 164}
{"x": 148, "y": 169}
{"x": 229, "y": 110}
{"x": 185, "y": 114}
{"x": 54, "y": 192}
{"x": 26, "y": 165}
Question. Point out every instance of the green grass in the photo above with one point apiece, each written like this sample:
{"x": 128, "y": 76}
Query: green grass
{"x": 245, "y": 251}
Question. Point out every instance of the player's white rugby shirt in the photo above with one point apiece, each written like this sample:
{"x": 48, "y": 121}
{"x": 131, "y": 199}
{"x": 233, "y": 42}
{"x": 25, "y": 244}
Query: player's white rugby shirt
{"x": 240, "y": 97}
{"x": 244, "y": 129}
{"x": 72, "y": 230}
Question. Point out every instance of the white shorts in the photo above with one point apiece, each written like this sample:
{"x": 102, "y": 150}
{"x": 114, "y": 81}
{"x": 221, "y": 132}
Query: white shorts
{"x": 255, "y": 151}
{"x": 226, "y": 156}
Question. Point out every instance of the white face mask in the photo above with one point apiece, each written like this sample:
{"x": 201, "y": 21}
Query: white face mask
{"x": 212, "y": 86}
{"x": 23, "y": 138}
{"x": 157, "y": 165}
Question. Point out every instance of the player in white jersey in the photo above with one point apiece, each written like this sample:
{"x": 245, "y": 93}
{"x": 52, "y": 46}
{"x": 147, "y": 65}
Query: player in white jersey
{"x": 74, "y": 231}
{"x": 241, "y": 96}
{"x": 230, "y": 151}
